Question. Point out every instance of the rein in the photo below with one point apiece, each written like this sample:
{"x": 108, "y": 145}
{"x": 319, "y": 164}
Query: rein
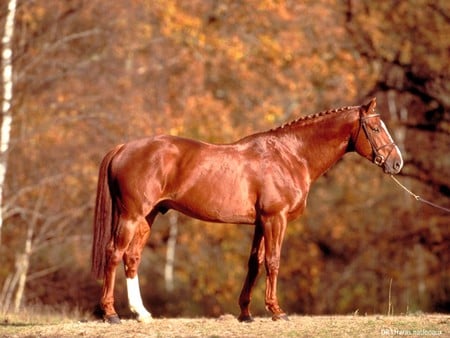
{"x": 417, "y": 197}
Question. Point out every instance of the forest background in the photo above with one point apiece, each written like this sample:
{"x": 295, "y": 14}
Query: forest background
{"x": 91, "y": 74}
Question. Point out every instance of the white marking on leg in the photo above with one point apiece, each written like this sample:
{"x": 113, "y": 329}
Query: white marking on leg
{"x": 135, "y": 300}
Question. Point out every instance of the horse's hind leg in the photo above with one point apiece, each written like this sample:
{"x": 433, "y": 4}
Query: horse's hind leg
{"x": 131, "y": 260}
{"x": 107, "y": 299}
{"x": 114, "y": 254}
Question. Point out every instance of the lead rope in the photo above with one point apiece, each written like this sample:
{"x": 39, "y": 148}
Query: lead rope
{"x": 417, "y": 197}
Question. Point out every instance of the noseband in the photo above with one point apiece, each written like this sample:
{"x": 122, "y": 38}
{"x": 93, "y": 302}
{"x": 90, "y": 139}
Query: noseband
{"x": 378, "y": 159}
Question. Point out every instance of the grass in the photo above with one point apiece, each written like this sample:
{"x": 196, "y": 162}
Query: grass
{"x": 48, "y": 323}
{"x": 41, "y": 315}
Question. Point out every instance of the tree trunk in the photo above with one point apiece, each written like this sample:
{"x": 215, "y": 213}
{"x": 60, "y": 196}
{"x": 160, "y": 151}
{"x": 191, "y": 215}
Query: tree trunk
{"x": 7, "y": 291}
{"x": 5, "y": 128}
{"x": 23, "y": 266}
{"x": 17, "y": 280}
{"x": 170, "y": 253}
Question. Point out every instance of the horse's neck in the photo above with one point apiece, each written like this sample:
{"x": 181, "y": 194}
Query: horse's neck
{"x": 323, "y": 142}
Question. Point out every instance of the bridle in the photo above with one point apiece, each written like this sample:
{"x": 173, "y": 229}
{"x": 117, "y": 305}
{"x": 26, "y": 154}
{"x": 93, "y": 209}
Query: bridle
{"x": 378, "y": 159}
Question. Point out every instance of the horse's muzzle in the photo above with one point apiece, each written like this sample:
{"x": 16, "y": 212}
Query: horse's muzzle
{"x": 394, "y": 166}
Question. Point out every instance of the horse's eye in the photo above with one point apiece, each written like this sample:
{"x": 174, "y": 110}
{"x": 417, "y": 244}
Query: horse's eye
{"x": 376, "y": 129}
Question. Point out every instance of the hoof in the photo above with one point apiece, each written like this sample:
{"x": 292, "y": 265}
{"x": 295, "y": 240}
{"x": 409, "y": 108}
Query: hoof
{"x": 144, "y": 319}
{"x": 245, "y": 319}
{"x": 280, "y": 316}
{"x": 113, "y": 319}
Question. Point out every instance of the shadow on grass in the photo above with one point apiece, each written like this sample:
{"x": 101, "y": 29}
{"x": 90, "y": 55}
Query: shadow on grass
{"x": 8, "y": 323}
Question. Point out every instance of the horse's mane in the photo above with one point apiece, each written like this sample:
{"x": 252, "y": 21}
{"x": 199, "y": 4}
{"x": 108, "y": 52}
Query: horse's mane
{"x": 308, "y": 118}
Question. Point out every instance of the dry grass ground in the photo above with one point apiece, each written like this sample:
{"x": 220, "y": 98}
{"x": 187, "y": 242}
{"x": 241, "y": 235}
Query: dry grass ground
{"x": 38, "y": 325}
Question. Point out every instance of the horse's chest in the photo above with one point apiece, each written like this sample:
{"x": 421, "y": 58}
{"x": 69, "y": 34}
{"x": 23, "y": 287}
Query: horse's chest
{"x": 283, "y": 193}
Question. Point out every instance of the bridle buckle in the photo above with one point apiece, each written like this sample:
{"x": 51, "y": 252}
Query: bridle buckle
{"x": 379, "y": 160}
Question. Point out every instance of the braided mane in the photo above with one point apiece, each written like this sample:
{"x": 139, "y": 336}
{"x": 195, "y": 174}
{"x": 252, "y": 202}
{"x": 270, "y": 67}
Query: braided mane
{"x": 303, "y": 119}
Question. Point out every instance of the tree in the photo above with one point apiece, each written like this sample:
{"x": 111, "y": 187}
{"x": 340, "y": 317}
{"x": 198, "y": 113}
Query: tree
{"x": 7, "y": 81}
{"x": 408, "y": 45}
{"x": 41, "y": 219}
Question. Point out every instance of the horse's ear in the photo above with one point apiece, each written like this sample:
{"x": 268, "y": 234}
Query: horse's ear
{"x": 371, "y": 105}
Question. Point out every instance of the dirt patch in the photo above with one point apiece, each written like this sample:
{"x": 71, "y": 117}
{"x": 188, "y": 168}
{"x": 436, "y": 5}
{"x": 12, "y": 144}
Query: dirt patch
{"x": 228, "y": 326}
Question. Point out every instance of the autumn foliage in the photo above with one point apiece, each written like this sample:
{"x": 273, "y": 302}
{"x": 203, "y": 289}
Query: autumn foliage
{"x": 92, "y": 74}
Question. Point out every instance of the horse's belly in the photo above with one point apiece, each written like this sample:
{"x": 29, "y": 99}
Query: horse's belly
{"x": 217, "y": 205}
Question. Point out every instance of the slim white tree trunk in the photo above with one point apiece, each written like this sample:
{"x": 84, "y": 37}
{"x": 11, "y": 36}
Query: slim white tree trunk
{"x": 7, "y": 291}
{"x": 24, "y": 264}
{"x": 17, "y": 280}
{"x": 170, "y": 253}
{"x": 7, "y": 79}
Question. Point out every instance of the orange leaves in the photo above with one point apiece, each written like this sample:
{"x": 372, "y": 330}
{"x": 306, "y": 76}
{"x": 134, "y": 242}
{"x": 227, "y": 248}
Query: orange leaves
{"x": 180, "y": 25}
{"x": 235, "y": 48}
{"x": 274, "y": 51}
{"x": 216, "y": 121}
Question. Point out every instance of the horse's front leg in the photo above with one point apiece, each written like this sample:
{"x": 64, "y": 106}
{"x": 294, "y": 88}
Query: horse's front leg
{"x": 274, "y": 229}
{"x": 255, "y": 261}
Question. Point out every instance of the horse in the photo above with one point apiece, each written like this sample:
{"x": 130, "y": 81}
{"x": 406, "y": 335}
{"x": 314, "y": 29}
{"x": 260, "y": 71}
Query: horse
{"x": 262, "y": 179}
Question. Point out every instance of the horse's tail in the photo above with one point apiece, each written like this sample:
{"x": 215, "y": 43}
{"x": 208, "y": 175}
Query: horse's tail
{"x": 105, "y": 219}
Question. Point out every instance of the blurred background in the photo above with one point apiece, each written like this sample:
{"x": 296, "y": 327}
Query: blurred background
{"x": 89, "y": 74}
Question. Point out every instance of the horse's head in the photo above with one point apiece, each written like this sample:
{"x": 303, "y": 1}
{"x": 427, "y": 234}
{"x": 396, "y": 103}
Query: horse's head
{"x": 374, "y": 142}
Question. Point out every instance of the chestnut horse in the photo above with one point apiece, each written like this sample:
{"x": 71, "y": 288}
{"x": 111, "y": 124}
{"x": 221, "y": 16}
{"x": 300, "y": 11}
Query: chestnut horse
{"x": 262, "y": 179}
